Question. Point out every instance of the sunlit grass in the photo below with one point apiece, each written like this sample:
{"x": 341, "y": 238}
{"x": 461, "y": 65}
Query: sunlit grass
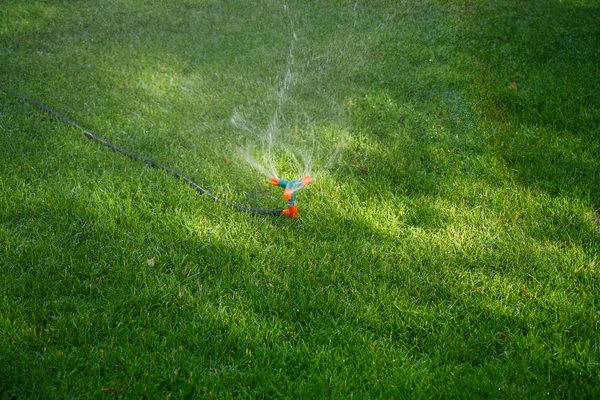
{"x": 450, "y": 249}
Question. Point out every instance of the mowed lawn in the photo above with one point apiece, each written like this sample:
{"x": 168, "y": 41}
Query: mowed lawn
{"x": 450, "y": 250}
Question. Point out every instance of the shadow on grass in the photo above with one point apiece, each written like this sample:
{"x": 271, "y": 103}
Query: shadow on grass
{"x": 537, "y": 65}
{"x": 249, "y": 301}
{"x": 473, "y": 304}
{"x": 535, "y": 105}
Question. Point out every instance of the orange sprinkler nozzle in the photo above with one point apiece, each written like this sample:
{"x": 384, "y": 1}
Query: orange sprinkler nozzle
{"x": 288, "y": 193}
{"x": 307, "y": 180}
{"x": 274, "y": 181}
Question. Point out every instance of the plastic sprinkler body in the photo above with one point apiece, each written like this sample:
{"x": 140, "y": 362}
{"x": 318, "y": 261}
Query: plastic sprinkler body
{"x": 289, "y": 192}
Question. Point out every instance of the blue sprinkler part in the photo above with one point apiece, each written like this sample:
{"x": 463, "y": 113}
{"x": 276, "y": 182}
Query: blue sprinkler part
{"x": 289, "y": 192}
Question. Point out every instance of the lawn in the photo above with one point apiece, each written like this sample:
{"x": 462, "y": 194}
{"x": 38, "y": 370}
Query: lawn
{"x": 448, "y": 248}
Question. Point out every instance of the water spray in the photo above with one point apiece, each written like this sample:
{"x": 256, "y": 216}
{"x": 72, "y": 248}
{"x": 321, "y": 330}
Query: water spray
{"x": 290, "y": 187}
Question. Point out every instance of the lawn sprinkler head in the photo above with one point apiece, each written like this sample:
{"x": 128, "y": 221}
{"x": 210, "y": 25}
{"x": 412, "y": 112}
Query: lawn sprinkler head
{"x": 289, "y": 192}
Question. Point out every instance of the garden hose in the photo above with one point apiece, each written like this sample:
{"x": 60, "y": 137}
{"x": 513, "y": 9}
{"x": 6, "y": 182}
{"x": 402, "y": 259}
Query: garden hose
{"x": 291, "y": 212}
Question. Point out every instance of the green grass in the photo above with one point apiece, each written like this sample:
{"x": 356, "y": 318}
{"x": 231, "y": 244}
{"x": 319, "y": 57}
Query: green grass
{"x": 452, "y": 251}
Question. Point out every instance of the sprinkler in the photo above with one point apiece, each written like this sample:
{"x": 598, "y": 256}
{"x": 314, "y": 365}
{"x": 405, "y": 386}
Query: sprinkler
{"x": 290, "y": 187}
{"x": 289, "y": 193}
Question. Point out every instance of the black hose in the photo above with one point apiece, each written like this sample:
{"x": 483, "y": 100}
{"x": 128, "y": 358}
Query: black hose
{"x": 135, "y": 156}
